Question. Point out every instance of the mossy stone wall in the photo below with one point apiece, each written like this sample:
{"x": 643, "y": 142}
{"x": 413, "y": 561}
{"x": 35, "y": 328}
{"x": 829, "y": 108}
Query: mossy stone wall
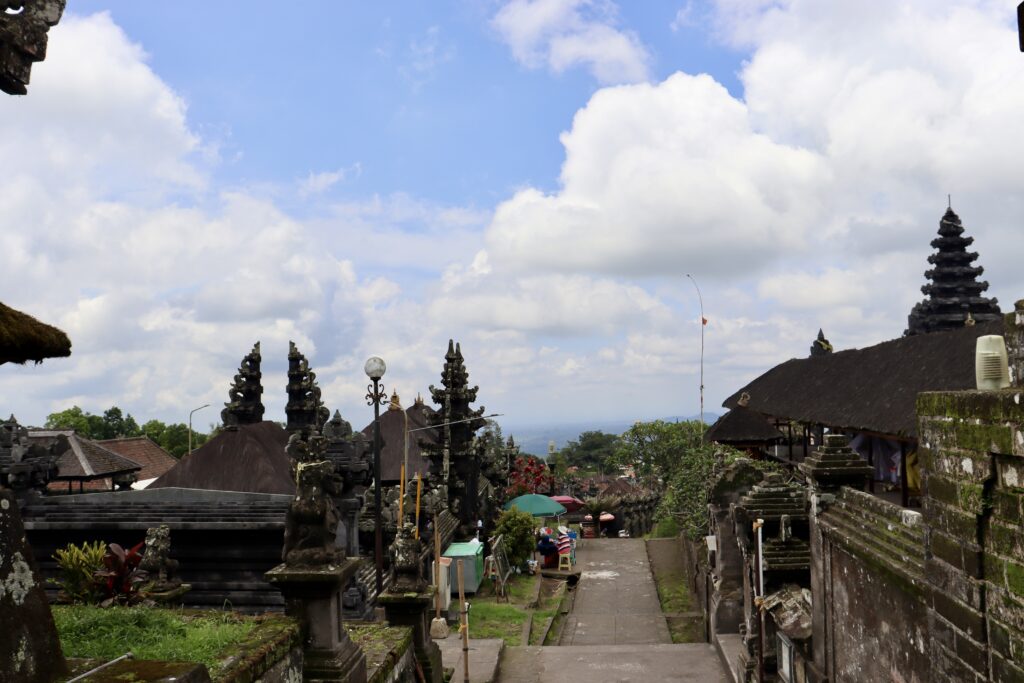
{"x": 972, "y": 448}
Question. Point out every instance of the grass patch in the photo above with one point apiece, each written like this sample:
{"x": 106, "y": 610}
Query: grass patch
{"x": 665, "y": 528}
{"x": 521, "y": 588}
{"x": 149, "y": 633}
{"x": 674, "y": 594}
{"x": 496, "y": 620}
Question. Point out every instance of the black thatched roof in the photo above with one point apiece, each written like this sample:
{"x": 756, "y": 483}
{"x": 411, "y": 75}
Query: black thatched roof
{"x": 872, "y": 389}
{"x": 392, "y": 436}
{"x": 23, "y": 338}
{"x": 742, "y": 425}
{"x": 250, "y": 458}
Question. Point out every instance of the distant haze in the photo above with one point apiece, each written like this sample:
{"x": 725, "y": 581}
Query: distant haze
{"x": 534, "y": 439}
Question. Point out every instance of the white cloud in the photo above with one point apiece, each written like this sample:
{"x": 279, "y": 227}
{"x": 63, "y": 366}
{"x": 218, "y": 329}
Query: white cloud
{"x": 316, "y": 183}
{"x": 563, "y": 34}
{"x": 662, "y": 178}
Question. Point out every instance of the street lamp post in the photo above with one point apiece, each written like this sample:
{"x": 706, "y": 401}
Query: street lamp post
{"x": 375, "y": 369}
{"x": 205, "y": 405}
{"x": 702, "y": 323}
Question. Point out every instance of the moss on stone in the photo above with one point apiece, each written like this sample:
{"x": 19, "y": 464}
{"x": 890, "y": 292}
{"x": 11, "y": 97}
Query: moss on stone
{"x": 382, "y": 644}
{"x": 1015, "y": 578}
{"x": 971, "y": 497}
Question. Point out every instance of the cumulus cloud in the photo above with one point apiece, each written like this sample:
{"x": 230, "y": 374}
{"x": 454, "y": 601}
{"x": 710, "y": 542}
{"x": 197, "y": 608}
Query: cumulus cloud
{"x": 562, "y": 34}
{"x": 854, "y": 124}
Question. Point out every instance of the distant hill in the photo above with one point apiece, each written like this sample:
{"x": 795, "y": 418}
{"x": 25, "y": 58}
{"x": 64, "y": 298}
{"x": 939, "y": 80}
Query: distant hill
{"x": 534, "y": 439}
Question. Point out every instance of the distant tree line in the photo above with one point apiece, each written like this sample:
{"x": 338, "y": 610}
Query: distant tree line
{"x": 115, "y": 423}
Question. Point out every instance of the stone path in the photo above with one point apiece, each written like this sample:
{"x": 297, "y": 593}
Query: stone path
{"x": 616, "y": 601}
{"x": 616, "y": 631}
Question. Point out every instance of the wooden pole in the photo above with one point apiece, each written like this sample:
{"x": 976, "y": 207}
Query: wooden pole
{"x": 437, "y": 564}
{"x": 419, "y": 491}
{"x": 401, "y": 498}
{"x": 904, "y": 488}
{"x": 463, "y": 626}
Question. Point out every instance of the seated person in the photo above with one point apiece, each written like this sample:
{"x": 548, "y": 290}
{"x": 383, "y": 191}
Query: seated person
{"x": 549, "y": 551}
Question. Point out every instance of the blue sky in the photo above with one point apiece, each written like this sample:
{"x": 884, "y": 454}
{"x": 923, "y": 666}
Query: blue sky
{"x": 424, "y": 98}
{"x": 531, "y": 177}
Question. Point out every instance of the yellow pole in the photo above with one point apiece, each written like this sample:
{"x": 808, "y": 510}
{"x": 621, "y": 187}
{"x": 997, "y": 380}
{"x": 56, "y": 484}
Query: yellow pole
{"x": 419, "y": 489}
{"x": 401, "y": 498}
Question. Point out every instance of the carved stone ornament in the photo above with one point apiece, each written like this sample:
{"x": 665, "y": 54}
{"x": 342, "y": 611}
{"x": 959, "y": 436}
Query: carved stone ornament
{"x": 157, "y": 559}
{"x": 245, "y": 397}
{"x": 311, "y": 522}
{"x": 23, "y": 28}
{"x": 406, "y": 566}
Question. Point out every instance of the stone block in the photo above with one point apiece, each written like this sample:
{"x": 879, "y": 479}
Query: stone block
{"x": 1007, "y": 504}
{"x": 972, "y": 653}
{"x": 953, "y": 582}
{"x": 971, "y": 498}
{"x": 1011, "y": 473}
{"x": 947, "y": 549}
{"x": 952, "y": 520}
{"x": 963, "y": 617}
{"x": 942, "y": 489}
{"x": 1006, "y": 539}
{"x": 999, "y": 639}
{"x": 995, "y": 569}
{"x": 1015, "y": 578}
{"x": 1004, "y": 671}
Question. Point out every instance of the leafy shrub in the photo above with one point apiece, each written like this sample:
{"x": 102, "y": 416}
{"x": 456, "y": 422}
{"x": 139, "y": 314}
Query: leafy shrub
{"x": 101, "y": 573}
{"x": 120, "y": 578}
{"x": 78, "y": 566}
{"x": 516, "y": 528}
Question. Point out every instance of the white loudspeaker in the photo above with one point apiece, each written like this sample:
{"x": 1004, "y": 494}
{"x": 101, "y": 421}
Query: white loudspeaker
{"x": 990, "y": 366}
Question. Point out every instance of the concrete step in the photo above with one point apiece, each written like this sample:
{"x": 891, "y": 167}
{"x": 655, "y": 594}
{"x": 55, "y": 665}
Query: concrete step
{"x": 686, "y": 663}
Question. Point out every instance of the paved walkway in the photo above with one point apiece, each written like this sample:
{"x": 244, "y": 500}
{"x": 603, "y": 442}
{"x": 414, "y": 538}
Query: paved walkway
{"x": 616, "y": 631}
{"x": 617, "y": 601}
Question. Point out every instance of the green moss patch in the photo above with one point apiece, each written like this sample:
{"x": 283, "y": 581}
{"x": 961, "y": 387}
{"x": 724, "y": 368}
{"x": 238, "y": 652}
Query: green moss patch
{"x": 383, "y": 646}
{"x": 207, "y": 638}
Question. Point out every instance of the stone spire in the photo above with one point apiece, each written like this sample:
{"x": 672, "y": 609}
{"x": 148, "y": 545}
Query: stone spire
{"x": 245, "y": 397}
{"x": 821, "y": 346}
{"x": 953, "y": 291}
{"x": 454, "y": 447}
{"x": 305, "y": 410}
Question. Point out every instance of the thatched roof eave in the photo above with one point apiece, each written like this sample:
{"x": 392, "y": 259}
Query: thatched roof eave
{"x": 23, "y": 338}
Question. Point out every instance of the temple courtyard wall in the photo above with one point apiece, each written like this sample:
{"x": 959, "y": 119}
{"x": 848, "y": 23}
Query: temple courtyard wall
{"x": 933, "y": 594}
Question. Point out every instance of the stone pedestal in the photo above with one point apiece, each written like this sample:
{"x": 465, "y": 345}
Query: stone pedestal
{"x": 29, "y": 648}
{"x": 313, "y": 597}
{"x": 413, "y": 609}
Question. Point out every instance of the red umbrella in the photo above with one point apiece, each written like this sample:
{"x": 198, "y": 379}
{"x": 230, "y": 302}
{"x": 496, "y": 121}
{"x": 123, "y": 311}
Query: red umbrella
{"x": 570, "y": 503}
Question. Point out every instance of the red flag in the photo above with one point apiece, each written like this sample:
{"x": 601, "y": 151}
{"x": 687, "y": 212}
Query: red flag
{"x": 703, "y": 320}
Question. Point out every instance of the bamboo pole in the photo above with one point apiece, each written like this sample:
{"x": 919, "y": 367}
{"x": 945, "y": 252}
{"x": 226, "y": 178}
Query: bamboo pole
{"x": 419, "y": 491}
{"x": 463, "y": 626}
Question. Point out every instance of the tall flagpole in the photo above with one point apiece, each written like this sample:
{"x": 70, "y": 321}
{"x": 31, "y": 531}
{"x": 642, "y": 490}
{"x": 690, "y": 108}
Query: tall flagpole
{"x": 702, "y": 323}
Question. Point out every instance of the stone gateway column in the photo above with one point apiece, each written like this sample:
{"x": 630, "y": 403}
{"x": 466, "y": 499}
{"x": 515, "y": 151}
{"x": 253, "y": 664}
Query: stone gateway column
{"x": 30, "y": 650}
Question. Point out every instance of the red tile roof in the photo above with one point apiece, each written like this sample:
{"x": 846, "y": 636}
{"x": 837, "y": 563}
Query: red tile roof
{"x": 143, "y": 450}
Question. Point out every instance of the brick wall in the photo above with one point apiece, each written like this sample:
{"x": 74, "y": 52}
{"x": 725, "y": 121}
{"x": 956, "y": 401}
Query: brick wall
{"x": 972, "y": 449}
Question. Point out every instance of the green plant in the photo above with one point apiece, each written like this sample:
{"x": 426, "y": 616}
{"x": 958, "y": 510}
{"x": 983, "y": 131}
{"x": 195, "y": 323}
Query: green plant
{"x": 120, "y": 578}
{"x": 516, "y": 528}
{"x": 78, "y": 566}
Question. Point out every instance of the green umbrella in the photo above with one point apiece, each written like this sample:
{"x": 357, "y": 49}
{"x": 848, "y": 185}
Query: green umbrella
{"x": 537, "y": 505}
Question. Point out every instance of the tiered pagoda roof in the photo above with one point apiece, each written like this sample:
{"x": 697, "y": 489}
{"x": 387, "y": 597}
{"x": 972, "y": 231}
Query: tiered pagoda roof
{"x": 953, "y": 291}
